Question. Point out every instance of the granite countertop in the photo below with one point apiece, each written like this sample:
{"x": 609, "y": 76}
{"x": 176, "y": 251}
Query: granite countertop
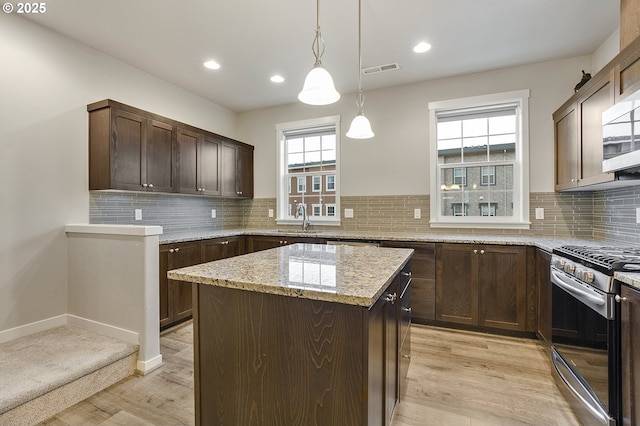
{"x": 344, "y": 274}
{"x": 629, "y": 278}
{"x": 545, "y": 243}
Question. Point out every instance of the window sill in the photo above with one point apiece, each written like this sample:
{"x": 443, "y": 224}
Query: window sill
{"x": 480, "y": 225}
{"x": 311, "y": 220}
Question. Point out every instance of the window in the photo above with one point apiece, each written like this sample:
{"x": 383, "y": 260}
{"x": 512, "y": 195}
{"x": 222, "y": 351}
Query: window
{"x": 331, "y": 182}
{"x": 302, "y": 184}
{"x": 479, "y": 161}
{"x": 460, "y": 176}
{"x": 316, "y": 184}
{"x": 488, "y": 209}
{"x": 309, "y": 152}
{"x": 488, "y": 176}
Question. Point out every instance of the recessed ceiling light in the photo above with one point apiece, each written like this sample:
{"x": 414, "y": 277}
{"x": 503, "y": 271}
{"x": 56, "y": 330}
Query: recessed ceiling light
{"x": 277, "y": 79}
{"x": 212, "y": 65}
{"x": 422, "y": 47}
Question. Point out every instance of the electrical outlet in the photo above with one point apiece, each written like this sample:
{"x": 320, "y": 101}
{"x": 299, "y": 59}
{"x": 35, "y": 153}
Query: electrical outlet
{"x": 213, "y": 213}
{"x": 138, "y": 214}
{"x": 348, "y": 213}
{"x": 417, "y": 213}
{"x": 637, "y": 214}
{"x": 539, "y": 213}
{"x": 270, "y": 212}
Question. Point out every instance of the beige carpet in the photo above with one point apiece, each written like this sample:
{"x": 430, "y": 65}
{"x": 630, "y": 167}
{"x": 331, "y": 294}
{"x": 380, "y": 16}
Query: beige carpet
{"x": 41, "y": 362}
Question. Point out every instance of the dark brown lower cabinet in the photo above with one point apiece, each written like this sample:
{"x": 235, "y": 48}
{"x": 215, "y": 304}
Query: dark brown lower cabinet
{"x": 292, "y": 360}
{"x": 630, "y": 311}
{"x": 543, "y": 280}
{"x": 423, "y": 279}
{"x": 221, "y": 248}
{"x": 487, "y": 286}
{"x": 261, "y": 242}
{"x": 176, "y": 297}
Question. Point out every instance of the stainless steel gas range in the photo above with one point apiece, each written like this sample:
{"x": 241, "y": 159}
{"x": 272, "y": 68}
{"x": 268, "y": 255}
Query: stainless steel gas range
{"x": 586, "y": 328}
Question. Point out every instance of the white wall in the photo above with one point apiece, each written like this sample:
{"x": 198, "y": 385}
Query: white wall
{"x": 606, "y": 52}
{"x": 395, "y": 162}
{"x": 46, "y": 81}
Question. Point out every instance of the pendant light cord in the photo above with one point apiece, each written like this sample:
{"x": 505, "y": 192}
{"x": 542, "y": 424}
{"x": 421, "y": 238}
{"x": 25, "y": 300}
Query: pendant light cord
{"x": 360, "y": 96}
{"x": 317, "y": 47}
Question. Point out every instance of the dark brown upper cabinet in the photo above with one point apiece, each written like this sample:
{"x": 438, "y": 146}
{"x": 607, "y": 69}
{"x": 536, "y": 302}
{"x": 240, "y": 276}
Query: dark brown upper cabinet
{"x": 135, "y": 150}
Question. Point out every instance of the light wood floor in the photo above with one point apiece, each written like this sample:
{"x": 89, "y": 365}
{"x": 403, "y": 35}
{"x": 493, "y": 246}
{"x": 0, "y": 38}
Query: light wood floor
{"x": 456, "y": 378}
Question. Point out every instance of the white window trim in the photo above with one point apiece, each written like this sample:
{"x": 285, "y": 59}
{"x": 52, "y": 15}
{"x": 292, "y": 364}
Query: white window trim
{"x": 520, "y": 219}
{"x": 313, "y": 178}
{"x": 327, "y": 183}
{"x": 302, "y": 179}
{"x": 313, "y": 206}
{"x": 281, "y": 184}
{"x": 335, "y": 211}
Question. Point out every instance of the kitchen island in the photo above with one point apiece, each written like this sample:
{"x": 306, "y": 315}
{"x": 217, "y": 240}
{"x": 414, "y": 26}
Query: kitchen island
{"x": 303, "y": 334}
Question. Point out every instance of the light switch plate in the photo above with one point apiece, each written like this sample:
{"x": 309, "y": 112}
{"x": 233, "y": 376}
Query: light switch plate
{"x": 213, "y": 213}
{"x": 417, "y": 213}
{"x": 348, "y": 213}
{"x": 637, "y": 214}
{"x": 138, "y": 214}
{"x": 539, "y": 213}
{"x": 270, "y": 212}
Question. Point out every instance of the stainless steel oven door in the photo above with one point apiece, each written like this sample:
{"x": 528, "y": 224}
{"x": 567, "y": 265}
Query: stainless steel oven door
{"x": 582, "y": 328}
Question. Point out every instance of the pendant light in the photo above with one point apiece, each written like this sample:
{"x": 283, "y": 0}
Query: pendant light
{"x": 360, "y": 127}
{"x": 318, "y": 87}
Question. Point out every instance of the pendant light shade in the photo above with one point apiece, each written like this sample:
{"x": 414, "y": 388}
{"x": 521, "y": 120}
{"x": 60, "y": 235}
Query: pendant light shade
{"x": 360, "y": 127}
{"x": 318, "y": 87}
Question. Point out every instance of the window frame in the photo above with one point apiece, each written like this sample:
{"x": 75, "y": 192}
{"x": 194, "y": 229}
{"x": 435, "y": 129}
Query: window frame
{"x": 282, "y": 199}
{"x": 520, "y": 200}
{"x": 313, "y": 183}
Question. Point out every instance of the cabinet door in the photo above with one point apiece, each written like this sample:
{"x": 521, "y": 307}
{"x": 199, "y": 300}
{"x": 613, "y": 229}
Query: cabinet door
{"x": 179, "y": 293}
{"x": 244, "y": 178}
{"x": 209, "y": 166}
{"x": 221, "y": 248}
{"x": 502, "y": 284}
{"x": 456, "y": 284}
{"x": 630, "y": 309}
{"x": 591, "y": 108}
{"x": 376, "y": 365}
{"x": 391, "y": 349}
{"x": 158, "y": 159}
{"x": 229, "y": 166}
{"x": 187, "y": 147}
{"x": 423, "y": 279}
{"x": 566, "y": 147}
{"x": 163, "y": 283}
{"x": 128, "y": 132}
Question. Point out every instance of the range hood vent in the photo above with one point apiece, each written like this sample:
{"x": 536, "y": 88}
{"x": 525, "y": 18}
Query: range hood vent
{"x": 381, "y": 68}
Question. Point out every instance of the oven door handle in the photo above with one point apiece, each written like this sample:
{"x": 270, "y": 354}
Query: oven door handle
{"x": 559, "y": 280}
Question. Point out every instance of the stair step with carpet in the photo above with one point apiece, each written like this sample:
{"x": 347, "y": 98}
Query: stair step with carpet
{"x": 44, "y": 373}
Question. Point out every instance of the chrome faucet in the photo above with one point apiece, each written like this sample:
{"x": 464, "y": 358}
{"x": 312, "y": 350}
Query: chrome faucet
{"x": 301, "y": 210}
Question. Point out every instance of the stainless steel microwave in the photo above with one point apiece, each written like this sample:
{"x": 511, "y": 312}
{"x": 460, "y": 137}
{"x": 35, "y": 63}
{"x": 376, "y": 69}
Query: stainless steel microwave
{"x": 621, "y": 136}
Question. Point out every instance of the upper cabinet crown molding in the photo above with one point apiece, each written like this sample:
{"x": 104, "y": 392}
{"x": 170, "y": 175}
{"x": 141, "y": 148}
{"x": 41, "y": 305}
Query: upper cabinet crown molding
{"x": 136, "y": 150}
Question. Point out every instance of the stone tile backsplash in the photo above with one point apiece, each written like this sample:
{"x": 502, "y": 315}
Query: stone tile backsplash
{"x": 605, "y": 215}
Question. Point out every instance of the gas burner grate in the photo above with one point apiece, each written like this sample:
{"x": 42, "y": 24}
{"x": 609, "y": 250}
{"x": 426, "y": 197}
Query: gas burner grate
{"x": 612, "y": 258}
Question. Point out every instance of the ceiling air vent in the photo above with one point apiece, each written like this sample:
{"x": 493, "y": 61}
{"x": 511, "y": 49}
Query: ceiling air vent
{"x": 380, "y": 68}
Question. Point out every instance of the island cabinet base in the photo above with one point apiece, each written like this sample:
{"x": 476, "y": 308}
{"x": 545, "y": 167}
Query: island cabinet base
{"x": 264, "y": 359}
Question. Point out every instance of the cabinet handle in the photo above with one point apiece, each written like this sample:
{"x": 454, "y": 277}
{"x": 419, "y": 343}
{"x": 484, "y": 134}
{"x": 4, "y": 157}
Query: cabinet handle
{"x": 407, "y": 310}
{"x": 407, "y": 274}
{"x": 406, "y": 356}
{"x": 223, "y": 242}
{"x": 620, "y": 299}
{"x": 150, "y": 185}
{"x": 171, "y": 250}
{"x": 199, "y": 189}
{"x": 475, "y": 251}
{"x": 144, "y": 185}
{"x": 177, "y": 250}
{"x": 239, "y": 192}
{"x": 481, "y": 251}
{"x": 391, "y": 297}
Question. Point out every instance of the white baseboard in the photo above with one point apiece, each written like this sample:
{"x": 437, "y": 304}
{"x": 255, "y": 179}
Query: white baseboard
{"x": 34, "y": 327}
{"x": 105, "y": 329}
{"x": 146, "y": 367}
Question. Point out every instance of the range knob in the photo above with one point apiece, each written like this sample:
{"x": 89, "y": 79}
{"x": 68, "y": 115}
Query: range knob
{"x": 587, "y": 276}
{"x": 559, "y": 263}
{"x": 569, "y": 268}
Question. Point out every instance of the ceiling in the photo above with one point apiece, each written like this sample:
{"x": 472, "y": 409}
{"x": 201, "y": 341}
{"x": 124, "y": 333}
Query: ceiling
{"x": 254, "y": 39}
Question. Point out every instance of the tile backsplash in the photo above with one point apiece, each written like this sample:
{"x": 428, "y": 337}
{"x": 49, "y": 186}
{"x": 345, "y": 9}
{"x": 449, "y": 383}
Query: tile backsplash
{"x": 604, "y": 215}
